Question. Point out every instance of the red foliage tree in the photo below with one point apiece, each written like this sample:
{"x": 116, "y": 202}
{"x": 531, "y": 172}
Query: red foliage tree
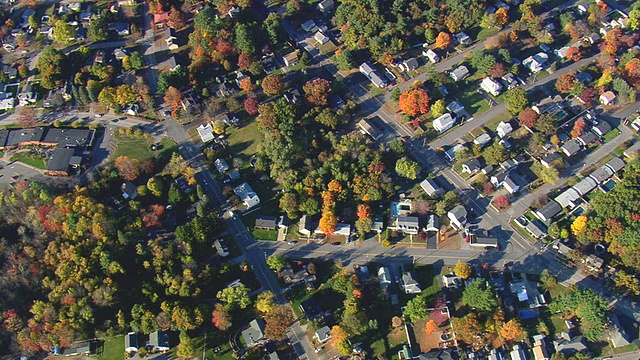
{"x": 251, "y": 105}
{"x": 364, "y": 211}
{"x": 589, "y": 96}
{"x": 497, "y": 70}
{"x": 574, "y": 53}
{"x": 488, "y": 188}
{"x": 127, "y": 168}
{"x": 414, "y": 102}
{"x": 565, "y": 83}
{"x": 245, "y": 60}
{"x": 173, "y": 98}
{"x": 528, "y": 118}
{"x": 151, "y": 216}
{"x": 318, "y": 91}
{"x": 501, "y": 201}
{"x": 221, "y": 317}
{"x": 177, "y": 19}
{"x": 578, "y": 128}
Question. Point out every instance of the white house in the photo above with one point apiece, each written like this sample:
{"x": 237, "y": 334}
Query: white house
{"x": 536, "y": 63}
{"x": 431, "y": 55}
{"x": 462, "y": 38}
{"x": 323, "y": 334}
{"x": 369, "y": 128}
{"x": 504, "y": 129}
{"x": 607, "y": 98}
{"x": 444, "y": 123}
{"x": 459, "y": 73}
{"x": 562, "y": 52}
{"x": 247, "y": 195}
{"x": 326, "y": 6}
{"x": 482, "y": 140}
{"x": 221, "y": 165}
{"x": 384, "y": 276}
{"x": 456, "y": 108}
{"x": 491, "y": 86}
{"x": 321, "y": 38}
{"x": 205, "y": 131}
{"x": 458, "y": 217}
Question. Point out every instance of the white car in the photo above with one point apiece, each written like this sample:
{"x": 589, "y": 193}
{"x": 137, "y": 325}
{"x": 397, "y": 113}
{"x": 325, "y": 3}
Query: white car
{"x": 98, "y": 115}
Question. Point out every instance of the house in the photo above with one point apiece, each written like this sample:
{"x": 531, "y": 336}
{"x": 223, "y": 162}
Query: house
{"x": 536, "y": 63}
{"x": 406, "y": 224}
{"x": 593, "y": 263}
{"x": 444, "y": 123}
{"x": 482, "y": 239}
{"x": 431, "y": 55}
{"x": 491, "y": 86}
{"x": 159, "y": 341}
{"x": 309, "y": 26}
{"x": 126, "y": 2}
{"x": 487, "y": 169}
{"x": 129, "y": 190}
{"x": 539, "y": 348}
{"x": 451, "y": 281}
{"x": 10, "y": 72}
{"x": 585, "y": 186}
{"x": 510, "y": 81}
{"x": 85, "y": 348}
{"x": 462, "y": 38}
{"x": 205, "y": 131}
{"x": 458, "y": 217}
{"x": 384, "y": 276}
{"x": 456, "y": 107}
{"x": 120, "y": 28}
{"x": 632, "y": 149}
{"x": 471, "y": 166}
{"x": 431, "y": 188}
{"x": 601, "y": 128}
{"x": 247, "y": 195}
{"x": 369, "y": 128}
{"x": 568, "y": 198}
{"x": 290, "y": 59}
{"x": 446, "y": 354}
{"x": 503, "y": 179}
{"x": 616, "y": 164}
{"x": 584, "y": 77}
{"x": 323, "y": 334}
{"x": 451, "y": 153}
{"x": 569, "y": 344}
{"x": 234, "y": 11}
{"x": 221, "y": 165}
{"x": 409, "y": 64}
{"x": 321, "y": 38}
{"x": 433, "y": 223}
{"x": 504, "y": 129}
{"x": 293, "y": 96}
{"x": 607, "y": 98}
{"x": 482, "y": 140}
{"x": 409, "y": 284}
{"x": 341, "y": 229}
{"x": 586, "y": 138}
{"x": 372, "y": 74}
{"x": 377, "y": 225}
{"x": 459, "y": 73}
{"x": 617, "y": 335}
{"x": 58, "y": 162}
{"x": 131, "y": 342}
{"x": 535, "y": 229}
{"x": 326, "y": 6}
{"x": 170, "y": 38}
{"x": 510, "y": 163}
{"x": 562, "y": 52}
{"x": 27, "y": 96}
{"x": 550, "y": 159}
{"x": 571, "y": 147}
{"x": 230, "y": 119}
{"x": 253, "y": 335}
{"x": 266, "y": 222}
{"x": 548, "y": 211}
{"x": 307, "y": 225}
{"x": 221, "y": 248}
{"x": 601, "y": 174}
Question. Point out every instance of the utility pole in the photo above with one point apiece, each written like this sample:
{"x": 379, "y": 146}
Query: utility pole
{"x": 204, "y": 345}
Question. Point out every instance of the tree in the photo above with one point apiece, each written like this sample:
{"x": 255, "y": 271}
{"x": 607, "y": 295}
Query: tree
{"x": 127, "y": 168}
{"x": 251, "y": 105}
{"x": 497, "y": 71}
{"x": 272, "y": 85}
{"x": 274, "y": 28}
{"x": 443, "y": 40}
{"x": 482, "y": 62}
{"x": 221, "y": 318}
{"x": 328, "y": 222}
{"x": 63, "y": 32}
{"x": 578, "y": 225}
{"x": 188, "y": 347}
{"x": 480, "y": 296}
{"x": 338, "y": 336}
{"x": 467, "y": 328}
{"x": 173, "y": 98}
{"x": 276, "y": 262}
{"x": 626, "y": 282}
{"x": 578, "y": 128}
{"x": 247, "y": 85}
{"x": 495, "y": 154}
{"x": 431, "y": 327}
{"x": 416, "y": 309}
{"x": 235, "y": 296}
{"x": 528, "y": 117}
{"x": 414, "y": 102}
{"x": 588, "y": 96}
{"x": 28, "y": 117}
{"x": 278, "y": 321}
{"x": 511, "y": 330}
{"x": 574, "y": 53}
{"x": 155, "y": 186}
{"x": 546, "y": 124}
{"x": 463, "y": 270}
{"x": 407, "y": 168}
{"x": 177, "y": 18}
{"x": 565, "y": 83}
{"x": 438, "y": 108}
{"x": 502, "y": 17}
{"x": 590, "y": 308}
{"x": 97, "y": 30}
{"x": 516, "y": 100}
{"x": 501, "y": 201}
{"x": 548, "y": 281}
{"x": 317, "y": 91}
{"x": 328, "y": 118}
{"x": 344, "y": 60}
{"x": 264, "y": 302}
{"x": 245, "y": 38}
{"x": 549, "y": 175}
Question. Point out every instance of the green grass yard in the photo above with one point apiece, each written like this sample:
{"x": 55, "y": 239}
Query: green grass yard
{"x": 113, "y": 348}
{"x": 261, "y": 234}
{"x": 139, "y": 147}
{"x": 611, "y": 135}
{"x": 30, "y": 158}
{"x": 244, "y": 141}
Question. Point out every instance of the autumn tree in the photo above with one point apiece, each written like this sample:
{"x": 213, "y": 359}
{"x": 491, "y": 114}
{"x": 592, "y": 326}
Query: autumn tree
{"x": 317, "y": 91}
{"x": 611, "y": 42}
{"x": 463, "y": 270}
{"x": 495, "y": 154}
{"x": 251, "y": 105}
{"x": 28, "y": 117}
{"x": 127, "y": 168}
{"x": 443, "y": 40}
{"x": 339, "y": 338}
{"x": 501, "y": 201}
{"x": 467, "y": 328}
{"x": 414, "y": 102}
{"x": 574, "y": 53}
{"x": 328, "y": 221}
{"x": 264, "y": 302}
{"x": 502, "y": 17}
{"x": 578, "y": 128}
{"x": 235, "y": 296}
{"x": 578, "y": 225}
{"x": 430, "y": 327}
{"x": 278, "y": 321}
{"x": 407, "y": 168}
{"x": 272, "y": 85}
{"x": 632, "y": 70}
{"x": 588, "y": 96}
{"x": 177, "y": 18}
{"x": 516, "y": 100}
{"x": 528, "y": 117}
{"x": 511, "y": 330}
{"x": 188, "y": 347}
{"x": 549, "y": 175}
{"x": 173, "y": 98}
{"x": 221, "y": 318}
{"x": 63, "y": 32}
{"x": 497, "y": 71}
{"x": 247, "y": 85}
{"x": 438, "y": 109}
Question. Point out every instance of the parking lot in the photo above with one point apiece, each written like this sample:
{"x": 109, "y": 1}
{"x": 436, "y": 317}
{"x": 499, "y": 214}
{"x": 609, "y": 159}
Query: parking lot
{"x": 13, "y": 171}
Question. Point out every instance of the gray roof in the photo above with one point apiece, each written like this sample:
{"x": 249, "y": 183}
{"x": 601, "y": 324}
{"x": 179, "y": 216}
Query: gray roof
{"x": 459, "y": 73}
{"x": 617, "y": 334}
{"x": 459, "y": 212}
{"x": 431, "y": 187}
{"x": 448, "y": 354}
{"x": 571, "y": 147}
{"x": 569, "y": 347}
{"x": 254, "y": 333}
{"x": 370, "y": 129}
{"x": 551, "y": 158}
{"x": 482, "y": 140}
{"x": 508, "y": 164}
{"x": 266, "y": 222}
{"x": 566, "y": 198}
{"x": 535, "y": 229}
{"x": 59, "y": 160}
{"x": 323, "y": 334}
{"x": 587, "y": 138}
{"x": 4, "y": 134}
{"x": 472, "y": 164}
{"x": 585, "y": 186}
{"x": 602, "y": 128}
{"x": 67, "y": 137}
{"x": 548, "y": 211}
{"x": 366, "y": 68}
{"x": 616, "y": 164}
{"x": 411, "y": 64}
{"x": 433, "y": 222}
{"x": 602, "y": 174}
{"x": 633, "y": 148}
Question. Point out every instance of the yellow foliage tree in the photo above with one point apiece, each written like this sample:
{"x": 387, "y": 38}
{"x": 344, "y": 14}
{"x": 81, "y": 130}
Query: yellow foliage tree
{"x": 463, "y": 270}
{"x": 578, "y": 225}
{"x": 338, "y": 335}
{"x": 502, "y": 17}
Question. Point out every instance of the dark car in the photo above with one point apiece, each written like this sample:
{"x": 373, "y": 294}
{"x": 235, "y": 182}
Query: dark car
{"x": 335, "y": 243}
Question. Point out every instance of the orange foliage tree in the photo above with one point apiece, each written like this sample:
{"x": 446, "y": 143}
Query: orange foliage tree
{"x": 127, "y": 168}
{"x": 502, "y": 17}
{"x": 272, "y": 85}
{"x": 364, "y": 211}
{"x": 565, "y": 83}
{"x": 173, "y": 98}
{"x": 574, "y": 53}
{"x": 247, "y": 85}
{"x": 578, "y": 127}
{"x": 632, "y": 69}
{"x": 328, "y": 221}
{"x": 317, "y": 91}
{"x": 414, "y": 102}
{"x": 431, "y": 327}
{"x": 511, "y": 330}
{"x": 443, "y": 40}
{"x": 528, "y": 117}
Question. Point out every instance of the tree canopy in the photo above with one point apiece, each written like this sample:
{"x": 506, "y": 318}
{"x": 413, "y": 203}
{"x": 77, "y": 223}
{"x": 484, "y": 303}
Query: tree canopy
{"x": 479, "y": 295}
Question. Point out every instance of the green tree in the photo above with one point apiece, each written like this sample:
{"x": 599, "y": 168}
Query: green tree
{"x": 438, "y": 108}
{"x": 273, "y": 26}
{"x": 416, "y": 309}
{"x": 63, "y": 32}
{"x": 345, "y": 61}
{"x": 546, "y": 124}
{"x": 482, "y": 62}
{"x": 407, "y": 168}
{"x": 245, "y": 38}
{"x": 134, "y": 61}
{"x": 549, "y": 175}
{"x": 589, "y": 307}
{"x": 328, "y": 118}
{"x": 175, "y": 196}
{"x": 397, "y": 147}
{"x": 276, "y": 262}
{"x": 188, "y": 347}
{"x": 235, "y": 296}
{"x": 395, "y": 94}
{"x": 516, "y": 100}
{"x": 495, "y": 154}
{"x": 480, "y": 296}
{"x": 97, "y": 30}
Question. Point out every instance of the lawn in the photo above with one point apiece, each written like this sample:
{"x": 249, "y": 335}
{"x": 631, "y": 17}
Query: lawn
{"x": 30, "y": 158}
{"x": 473, "y": 102}
{"x": 244, "y": 141}
{"x": 261, "y": 234}
{"x": 113, "y": 348}
{"x": 611, "y": 135}
{"x": 218, "y": 347}
{"x": 137, "y": 145}
{"x": 493, "y": 123}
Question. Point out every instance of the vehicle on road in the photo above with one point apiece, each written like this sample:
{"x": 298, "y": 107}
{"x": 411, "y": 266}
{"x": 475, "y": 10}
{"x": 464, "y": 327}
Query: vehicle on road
{"x": 293, "y": 242}
{"x": 98, "y": 115}
{"x": 335, "y": 243}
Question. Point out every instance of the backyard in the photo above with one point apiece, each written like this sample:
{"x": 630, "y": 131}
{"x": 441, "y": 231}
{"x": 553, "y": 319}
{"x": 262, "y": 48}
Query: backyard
{"x": 112, "y": 348}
